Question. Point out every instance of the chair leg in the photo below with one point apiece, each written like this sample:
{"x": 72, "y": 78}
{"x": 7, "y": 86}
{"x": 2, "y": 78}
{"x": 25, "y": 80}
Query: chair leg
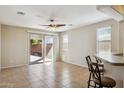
{"x": 100, "y": 86}
{"x": 89, "y": 80}
{"x": 95, "y": 85}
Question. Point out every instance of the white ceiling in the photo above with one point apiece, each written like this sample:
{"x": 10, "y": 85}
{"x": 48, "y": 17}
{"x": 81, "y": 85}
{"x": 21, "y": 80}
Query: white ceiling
{"x": 35, "y": 15}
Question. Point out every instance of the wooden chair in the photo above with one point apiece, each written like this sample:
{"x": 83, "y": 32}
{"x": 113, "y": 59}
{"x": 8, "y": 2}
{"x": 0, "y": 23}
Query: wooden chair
{"x": 89, "y": 61}
{"x": 100, "y": 63}
{"x": 100, "y": 80}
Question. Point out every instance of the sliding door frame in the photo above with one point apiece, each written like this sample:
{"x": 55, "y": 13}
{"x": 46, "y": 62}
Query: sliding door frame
{"x": 29, "y": 48}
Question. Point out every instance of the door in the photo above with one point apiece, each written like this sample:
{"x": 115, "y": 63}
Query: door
{"x": 36, "y": 48}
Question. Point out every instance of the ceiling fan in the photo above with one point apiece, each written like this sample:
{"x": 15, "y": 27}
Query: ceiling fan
{"x": 52, "y": 25}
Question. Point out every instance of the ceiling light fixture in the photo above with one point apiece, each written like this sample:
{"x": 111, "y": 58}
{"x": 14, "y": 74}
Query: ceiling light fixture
{"x": 53, "y": 26}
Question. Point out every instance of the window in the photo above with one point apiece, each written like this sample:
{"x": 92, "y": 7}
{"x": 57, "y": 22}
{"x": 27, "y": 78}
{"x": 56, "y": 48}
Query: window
{"x": 104, "y": 40}
{"x": 65, "y": 42}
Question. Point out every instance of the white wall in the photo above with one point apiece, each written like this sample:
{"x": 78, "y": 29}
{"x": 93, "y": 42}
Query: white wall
{"x": 0, "y": 47}
{"x": 121, "y": 36}
{"x": 15, "y": 46}
{"x": 82, "y": 41}
{"x": 64, "y": 54}
{"x": 123, "y": 39}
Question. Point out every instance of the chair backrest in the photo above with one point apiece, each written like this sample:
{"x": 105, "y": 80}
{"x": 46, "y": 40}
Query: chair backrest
{"x": 88, "y": 59}
{"x": 94, "y": 69}
{"x": 98, "y": 60}
{"x": 96, "y": 74}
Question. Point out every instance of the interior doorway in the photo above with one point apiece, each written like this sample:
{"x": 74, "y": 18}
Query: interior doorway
{"x": 41, "y": 48}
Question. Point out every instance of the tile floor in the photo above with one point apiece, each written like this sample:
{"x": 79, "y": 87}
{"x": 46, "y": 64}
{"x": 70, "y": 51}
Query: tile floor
{"x": 45, "y": 75}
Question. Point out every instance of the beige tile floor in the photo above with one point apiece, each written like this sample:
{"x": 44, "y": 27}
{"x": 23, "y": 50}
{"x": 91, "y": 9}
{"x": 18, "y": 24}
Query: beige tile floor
{"x": 45, "y": 75}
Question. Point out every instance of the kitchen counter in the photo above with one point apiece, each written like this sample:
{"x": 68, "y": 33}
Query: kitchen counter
{"x": 114, "y": 67}
{"x": 114, "y": 59}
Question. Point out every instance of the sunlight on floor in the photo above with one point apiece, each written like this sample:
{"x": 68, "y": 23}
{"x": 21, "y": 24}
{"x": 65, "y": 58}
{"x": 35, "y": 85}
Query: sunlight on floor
{"x": 34, "y": 58}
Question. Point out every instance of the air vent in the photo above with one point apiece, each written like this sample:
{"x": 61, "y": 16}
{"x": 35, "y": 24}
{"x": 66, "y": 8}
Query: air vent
{"x": 21, "y": 13}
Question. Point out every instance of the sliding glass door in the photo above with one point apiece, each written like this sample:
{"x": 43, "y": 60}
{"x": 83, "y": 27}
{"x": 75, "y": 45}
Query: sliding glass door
{"x": 41, "y": 48}
{"x": 36, "y": 48}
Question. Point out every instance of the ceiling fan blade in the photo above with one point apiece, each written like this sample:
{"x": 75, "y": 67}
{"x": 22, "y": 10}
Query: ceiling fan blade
{"x": 58, "y": 25}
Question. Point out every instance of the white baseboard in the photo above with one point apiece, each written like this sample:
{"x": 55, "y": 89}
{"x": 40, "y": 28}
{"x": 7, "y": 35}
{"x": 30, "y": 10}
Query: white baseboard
{"x": 27, "y": 64}
{"x": 76, "y": 64}
{"x": 14, "y": 66}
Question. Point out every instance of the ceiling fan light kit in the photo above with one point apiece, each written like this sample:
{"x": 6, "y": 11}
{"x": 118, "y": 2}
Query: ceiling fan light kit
{"x": 52, "y": 26}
